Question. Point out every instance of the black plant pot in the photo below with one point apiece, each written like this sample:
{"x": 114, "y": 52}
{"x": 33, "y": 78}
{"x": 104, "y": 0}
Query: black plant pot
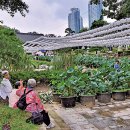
{"x": 77, "y": 98}
{"x": 119, "y": 96}
{"x": 104, "y": 97}
{"x": 88, "y": 101}
{"x": 56, "y": 97}
{"x": 68, "y": 101}
{"x": 128, "y": 94}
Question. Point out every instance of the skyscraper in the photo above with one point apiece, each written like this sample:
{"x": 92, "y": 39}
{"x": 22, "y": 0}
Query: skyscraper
{"x": 75, "y": 21}
{"x": 94, "y": 12}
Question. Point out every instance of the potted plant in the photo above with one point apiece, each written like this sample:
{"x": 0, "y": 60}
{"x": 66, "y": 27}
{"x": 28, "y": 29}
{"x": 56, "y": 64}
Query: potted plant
{"x": 55, "y": 80}
{"x": 104, "y": 91}
{"x": 55, "y": 91}
{"x": 87, "y": 94}
{"x": 67, "y": 85}
{"x": 102, "y": 84}
{"x": 119, "y": 85}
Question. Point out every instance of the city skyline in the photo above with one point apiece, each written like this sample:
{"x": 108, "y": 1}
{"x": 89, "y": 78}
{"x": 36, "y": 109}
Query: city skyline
{"x": 46, "y": 17}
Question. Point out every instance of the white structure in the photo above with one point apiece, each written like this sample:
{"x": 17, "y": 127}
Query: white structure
{"x": 114, "y": 34}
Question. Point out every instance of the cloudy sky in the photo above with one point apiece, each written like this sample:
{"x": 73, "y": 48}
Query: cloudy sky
{"x": 46, "y": 16}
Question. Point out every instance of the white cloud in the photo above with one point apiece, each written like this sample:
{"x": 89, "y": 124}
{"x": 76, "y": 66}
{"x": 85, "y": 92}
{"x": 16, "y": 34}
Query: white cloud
{"x": 45, "y": 16}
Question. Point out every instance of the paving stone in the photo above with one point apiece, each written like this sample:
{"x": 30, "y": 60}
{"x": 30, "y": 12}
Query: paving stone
{"x": 89, "y": 126}
{"x": 125, "y": 103}
{"x": 118, "y": 105}
{"x": 110, "y": 106}
{"x": 83, "y": 110}
{"x": 128, "y": 109}
{"x": 125, "y": 117}
{"x": 112, "y": 127}
{"x": 107, "y": 128}
{"x": 99, "y": 118}
{"x": 75, "y": 127}
{"x": 102, "y": 104}
{"x": 121, "y": 113}
{"x": 74, "y": 118}
{"x": 96, "y": 108}
{"x": 106, "y": 109}
{"x": 83, "y": 123}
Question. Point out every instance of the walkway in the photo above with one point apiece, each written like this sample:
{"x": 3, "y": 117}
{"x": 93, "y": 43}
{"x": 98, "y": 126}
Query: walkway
{"x": 111, "y": 116}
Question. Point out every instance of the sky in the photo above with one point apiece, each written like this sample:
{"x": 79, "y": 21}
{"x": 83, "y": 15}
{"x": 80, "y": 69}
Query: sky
{"x": 46, "y": 16}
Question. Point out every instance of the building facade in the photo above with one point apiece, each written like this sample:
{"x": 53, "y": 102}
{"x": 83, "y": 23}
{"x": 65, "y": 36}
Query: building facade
{"x": 75, "y": 21}
{"x": 94, "y": 12}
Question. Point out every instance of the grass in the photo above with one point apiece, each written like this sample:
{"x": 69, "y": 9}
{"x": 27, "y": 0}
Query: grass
{"x": 16, "y": 118}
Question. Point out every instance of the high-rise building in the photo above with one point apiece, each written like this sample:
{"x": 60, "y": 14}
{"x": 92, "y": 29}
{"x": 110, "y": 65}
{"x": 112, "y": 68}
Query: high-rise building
{"x": 75, "y": 21}
{"x": 94, "y": 12}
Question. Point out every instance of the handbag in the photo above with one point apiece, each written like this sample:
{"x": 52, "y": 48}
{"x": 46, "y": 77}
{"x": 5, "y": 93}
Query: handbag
{"x": 36, "y": 118}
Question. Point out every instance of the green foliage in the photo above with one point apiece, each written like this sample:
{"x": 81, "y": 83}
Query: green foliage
{"x": 96, "y": 49}
{"x": 83, "y": 30}
{"x": 119, "y": 79}
{"x": 45, "y": 58}
{"x": 63, "y": 60}
{"x": 90, "y": 61}
{"x": 69, "y": 80}
{"x": 42, "y": 76}
{"x": 37, "y": 63}
{"x": 13, "y": 6}
{"x": 115, "y": 9}
{"x": 12, "y": 56}
{"x": 16, "y": 118}
{"x": 98, "y": 23}
{"x": 125, "y": 9}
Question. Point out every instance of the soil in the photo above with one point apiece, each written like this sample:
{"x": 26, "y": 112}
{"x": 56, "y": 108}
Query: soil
{"x": 42, "y": 87}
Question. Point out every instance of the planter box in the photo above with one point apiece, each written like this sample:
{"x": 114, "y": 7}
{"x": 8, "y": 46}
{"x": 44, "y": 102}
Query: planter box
{"x": 104, "y": 97}
{"x": 88, "y": 101}
{"x": 119, "y": 96}
{"x": 56, "y": 97}
{"x": 68, "y": 101}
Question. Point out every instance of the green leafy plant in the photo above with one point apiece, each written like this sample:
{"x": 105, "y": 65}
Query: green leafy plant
{"x": 119, "y": 80}
{"x": 69, "y": 81}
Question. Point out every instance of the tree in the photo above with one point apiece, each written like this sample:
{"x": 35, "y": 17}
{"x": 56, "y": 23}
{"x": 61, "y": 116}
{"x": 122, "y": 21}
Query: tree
{"x": 125, "y": 10}
{"x": 98, "y": 23}
{"x": 13, "y": 6}
{"x": 83, "y": 30}
{"x": 12, "y": 55}
{"x": 69, "y": 31}
{"x": 115, "y": 9}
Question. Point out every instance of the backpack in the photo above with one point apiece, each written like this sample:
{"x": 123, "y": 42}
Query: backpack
{"x": 21, "y": 104}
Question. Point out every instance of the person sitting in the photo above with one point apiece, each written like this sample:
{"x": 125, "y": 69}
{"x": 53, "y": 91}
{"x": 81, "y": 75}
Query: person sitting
{"x": 35, "y": 104}
{"x": 13, "y": 97}
{"x": 5, "y": 87}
